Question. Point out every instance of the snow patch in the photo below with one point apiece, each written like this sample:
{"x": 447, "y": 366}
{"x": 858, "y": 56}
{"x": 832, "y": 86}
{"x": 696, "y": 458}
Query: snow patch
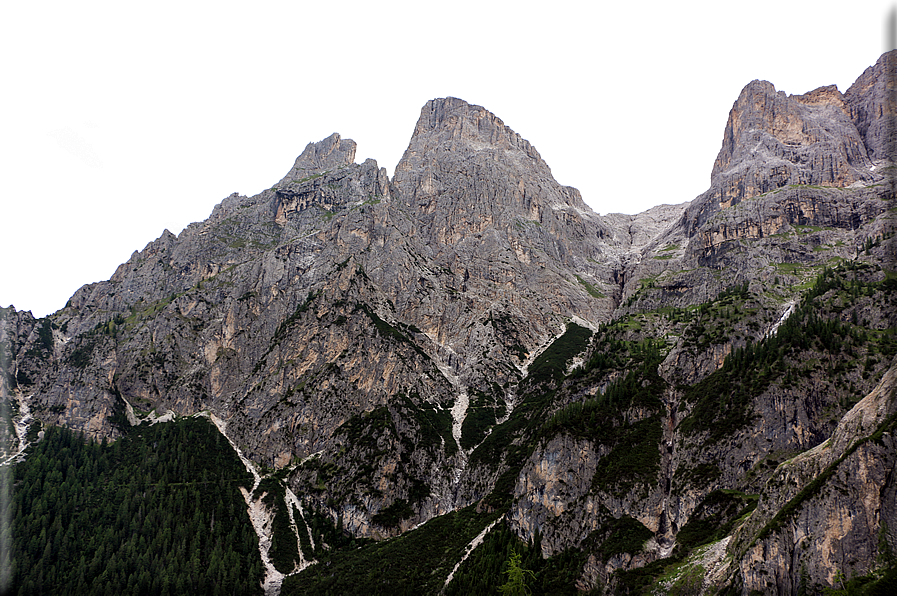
{"x": 167, "y": 416}
{"x": 263, "y": 519}
{"x": 293, "y": 502}
{"x": 129, "y": 412}
{"x": 459, "y": 407}
{"x": 250, "y": 465}
{"x": 524, "y": 366}
{"x": 584, "y": 323}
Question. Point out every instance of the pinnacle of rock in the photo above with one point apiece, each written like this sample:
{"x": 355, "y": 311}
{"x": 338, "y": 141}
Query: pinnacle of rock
{"x": 457, "y": 124}
{"x": 869, "y": 108}
{"x": 454, "y": 138}
{"x": 328, "y": 154}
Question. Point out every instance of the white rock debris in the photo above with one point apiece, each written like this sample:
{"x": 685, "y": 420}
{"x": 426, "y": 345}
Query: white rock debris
{"x": 470, "y": 548}
{"x": 21, "y": 430}
{"x": 293, "y": 502}
{"x": 459, "y": 412}
{"x": 789, "y": 310}
{"x": 262, "y": 518}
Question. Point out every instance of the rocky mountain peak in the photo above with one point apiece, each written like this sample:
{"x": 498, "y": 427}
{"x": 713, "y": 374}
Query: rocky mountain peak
{"x": 463, "y": 125}
{"x": 454, "y": 139}
{"x": 773, "y": 139}
{"x": 452, "y": 125}
{"x": 870, "y": 109}
{"x": 329, "y": 154}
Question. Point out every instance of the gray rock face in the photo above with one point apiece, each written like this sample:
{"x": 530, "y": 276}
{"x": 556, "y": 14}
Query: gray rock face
{"x": 485, "y": 209}
{"x": 842, "y": 505}
{"x": 786, "y": 163}
{"x": 772, "y": 140}
{"x": 17, "y": 336}
{"x": 329, "y": 154}
{"x": 871, "y": 109}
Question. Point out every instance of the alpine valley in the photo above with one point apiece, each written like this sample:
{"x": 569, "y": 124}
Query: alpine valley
{"x": 351, "y": 384}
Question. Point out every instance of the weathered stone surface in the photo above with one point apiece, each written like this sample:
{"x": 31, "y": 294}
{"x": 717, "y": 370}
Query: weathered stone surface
{"x": 331, "y": 153}
{"x": 773, "y": 140}
{"x": 778, "y": 139}
{"x": 843, "y": 507}
{"x": 872, "y": 110}
{"x": 555, "y": 481}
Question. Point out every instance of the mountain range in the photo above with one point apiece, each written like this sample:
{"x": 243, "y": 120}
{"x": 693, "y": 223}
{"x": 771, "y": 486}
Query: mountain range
{"x": 426, "y": 373}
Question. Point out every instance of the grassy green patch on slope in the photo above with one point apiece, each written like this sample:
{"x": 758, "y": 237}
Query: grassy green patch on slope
{"x": 552, "y": 363}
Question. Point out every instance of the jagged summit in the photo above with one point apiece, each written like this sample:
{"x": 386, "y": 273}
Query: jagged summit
{"x": 456, "y": 143}
{"x": 773, "y": 139}
{"x": 328, "y": 154}
{"x": 462, "y": 125}
{"x": 778, "y": 142}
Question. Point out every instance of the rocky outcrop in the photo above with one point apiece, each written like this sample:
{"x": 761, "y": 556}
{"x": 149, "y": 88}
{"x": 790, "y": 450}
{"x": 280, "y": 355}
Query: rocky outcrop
{"x": 330, "y": 154}
{"x": 772, "y": 140}
{"x": 872, "y": 108}
{"x": 486, "y": 208}
{"x": 16, "y": 332}
{"x": 556, "y": 481}
{"x": 830, "y": 510}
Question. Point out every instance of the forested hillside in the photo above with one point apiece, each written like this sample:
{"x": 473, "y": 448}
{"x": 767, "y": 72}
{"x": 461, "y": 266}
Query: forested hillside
{"x": 156, "y": 512}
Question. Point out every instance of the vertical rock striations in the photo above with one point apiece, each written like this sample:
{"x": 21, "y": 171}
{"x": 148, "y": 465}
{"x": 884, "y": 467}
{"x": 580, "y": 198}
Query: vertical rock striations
{"x": 872, "y": 111}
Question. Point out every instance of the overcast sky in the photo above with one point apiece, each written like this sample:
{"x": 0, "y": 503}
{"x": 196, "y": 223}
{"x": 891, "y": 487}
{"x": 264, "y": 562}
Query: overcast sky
{"x": 123, "y": 119}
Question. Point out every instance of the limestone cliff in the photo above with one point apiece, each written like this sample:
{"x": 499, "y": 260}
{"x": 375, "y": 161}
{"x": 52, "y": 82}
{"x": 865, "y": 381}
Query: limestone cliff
{"x": 828, "y": 511}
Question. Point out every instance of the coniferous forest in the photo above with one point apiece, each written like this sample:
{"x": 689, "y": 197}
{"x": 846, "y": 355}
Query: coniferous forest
{"x": 141, "y": 515}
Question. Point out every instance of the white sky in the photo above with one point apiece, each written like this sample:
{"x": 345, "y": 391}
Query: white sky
{"x": 122, "y": 119}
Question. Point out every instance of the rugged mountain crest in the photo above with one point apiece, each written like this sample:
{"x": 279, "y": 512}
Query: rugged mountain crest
{"x": 454, "y": 125}
{"x": 822, "y": 138}
{"x": 331, "y": 153}
{"x": 453, "y": 137}
{"x": 786, "y": 163}
{"x": 772, "y": 140}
